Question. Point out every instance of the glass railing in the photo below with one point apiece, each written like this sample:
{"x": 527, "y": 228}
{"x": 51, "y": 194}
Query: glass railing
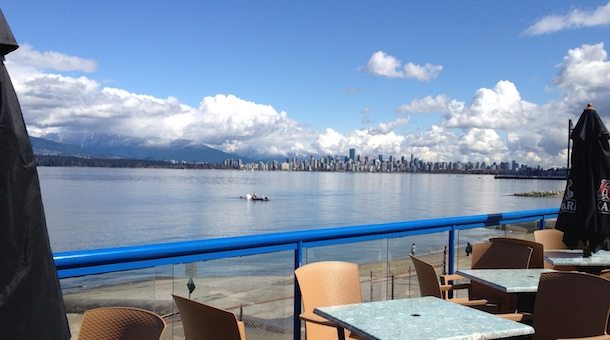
{"x": 253, "y": 276}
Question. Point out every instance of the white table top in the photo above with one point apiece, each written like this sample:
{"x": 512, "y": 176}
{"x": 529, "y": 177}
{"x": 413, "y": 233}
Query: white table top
{"x": 573, "y": 257}
{"x": 507, "y": 280}
{"x": 421, "y": 318}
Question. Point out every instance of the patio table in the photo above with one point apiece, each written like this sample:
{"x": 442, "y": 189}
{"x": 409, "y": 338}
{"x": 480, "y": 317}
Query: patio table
{"x": 573, "y": 257}
{"x": 522, "y": 282}
{"x": 420, "y": 318}
{"x": 507, "y": 280}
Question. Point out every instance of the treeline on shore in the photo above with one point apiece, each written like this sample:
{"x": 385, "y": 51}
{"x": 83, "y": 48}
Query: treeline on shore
{"x": 50, "y": 160}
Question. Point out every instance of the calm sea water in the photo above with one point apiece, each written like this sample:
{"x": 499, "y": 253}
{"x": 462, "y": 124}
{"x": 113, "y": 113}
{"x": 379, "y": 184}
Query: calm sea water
{"x": 102, "y": 207}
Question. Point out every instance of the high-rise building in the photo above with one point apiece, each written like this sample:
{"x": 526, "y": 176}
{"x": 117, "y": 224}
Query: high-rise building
{"x": 352, "y": 154}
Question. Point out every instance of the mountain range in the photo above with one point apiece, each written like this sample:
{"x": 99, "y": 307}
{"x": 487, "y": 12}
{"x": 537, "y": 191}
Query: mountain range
{"x": 120, "y": 147}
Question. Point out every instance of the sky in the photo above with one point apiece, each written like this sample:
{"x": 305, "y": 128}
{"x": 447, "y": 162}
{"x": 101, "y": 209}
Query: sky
{"x": 475, "y": 80}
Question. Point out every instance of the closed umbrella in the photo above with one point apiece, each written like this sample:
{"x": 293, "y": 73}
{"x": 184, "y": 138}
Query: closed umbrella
{"x": 31, "y": 303}
{"x": 584, "y": 216}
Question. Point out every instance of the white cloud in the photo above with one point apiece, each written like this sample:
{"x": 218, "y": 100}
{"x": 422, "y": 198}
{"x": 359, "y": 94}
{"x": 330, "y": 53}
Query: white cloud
{"x": 497, "y": 108}
{"x": 26, "y": 55}
{"x": 483, "y": 144}
{"x": 584, "y": 75}
{"x": 575, "y": 19}
{"x": 497, "y": 124}
{"x": 58, "y": 104}
{"x": 422, "y": 72}
{"x": 438, "y": 103}
{"x": 385, "y": 65}
{"x": 378, "y": 140}
{"x": 382, "y": 64}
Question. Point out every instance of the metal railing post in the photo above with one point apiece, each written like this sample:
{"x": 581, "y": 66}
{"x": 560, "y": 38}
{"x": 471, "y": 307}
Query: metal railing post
{"x": 451, "y": 253}
{"x": 296, "y": 321}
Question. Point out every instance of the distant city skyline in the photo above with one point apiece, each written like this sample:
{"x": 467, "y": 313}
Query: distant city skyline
{"x": 475, "y": 80}
{"x": 358, "y": 163}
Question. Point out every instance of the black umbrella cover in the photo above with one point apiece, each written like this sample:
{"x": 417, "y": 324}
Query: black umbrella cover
{"x": 31, "y": 303}
{"x": 584, "y": 216}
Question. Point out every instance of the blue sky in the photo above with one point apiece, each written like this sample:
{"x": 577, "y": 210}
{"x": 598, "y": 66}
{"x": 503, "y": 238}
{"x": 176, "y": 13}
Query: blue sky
{"x": 450, "y": 81}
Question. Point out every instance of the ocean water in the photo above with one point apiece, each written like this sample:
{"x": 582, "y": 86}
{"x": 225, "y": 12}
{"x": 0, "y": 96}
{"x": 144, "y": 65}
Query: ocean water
{"x": 108, "y": 207}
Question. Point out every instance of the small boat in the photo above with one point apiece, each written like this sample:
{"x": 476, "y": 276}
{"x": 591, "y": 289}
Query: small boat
{"x": 254, "y": 197}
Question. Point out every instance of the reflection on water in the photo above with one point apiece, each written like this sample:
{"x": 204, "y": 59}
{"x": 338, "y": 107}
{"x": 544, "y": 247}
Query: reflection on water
{"x": 101, "y": 207}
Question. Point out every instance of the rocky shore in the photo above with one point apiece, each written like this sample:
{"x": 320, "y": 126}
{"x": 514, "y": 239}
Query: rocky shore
{"x": 539, "y": 194}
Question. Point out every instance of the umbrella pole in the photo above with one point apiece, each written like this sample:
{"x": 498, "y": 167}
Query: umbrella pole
{"x": 569, "y": 135}
{"x": 586, "y": 252}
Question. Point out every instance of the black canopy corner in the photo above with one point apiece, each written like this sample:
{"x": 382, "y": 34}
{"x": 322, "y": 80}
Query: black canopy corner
{"x": 31, "y": 302}
{"x": 584, "y": 216}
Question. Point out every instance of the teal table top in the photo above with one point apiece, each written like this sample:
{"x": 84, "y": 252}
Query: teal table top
{"x": 421, "y": 318}
{"x": 573, "y": 257}
{"x": 506, "y": 280}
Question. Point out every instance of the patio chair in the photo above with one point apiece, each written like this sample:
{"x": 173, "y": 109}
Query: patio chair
{"x": 552, "y": 239}
{"x": 501, "y": 254}
{"x": 326, "y": 283}
{"x": 498, "y": 253}
{"x": 121, "y": 323}
{"x": 429, "y": 284}
{"x": 537, "y": 256}
{"x": 202, "y": 322}
{"x": 571, "y": 305}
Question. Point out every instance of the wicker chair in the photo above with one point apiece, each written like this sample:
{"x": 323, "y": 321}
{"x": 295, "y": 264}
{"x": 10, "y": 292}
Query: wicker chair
{"x": 537, "y": 257}
{"x": 326, "y": 283}
{"x": 552, "y": 239}
{"x": 498, "y": 253}
{"x": 204, "y": 322}
{"x": 429, "y": 284}
{"x": 121, "y": 323}
{"x": 571, "y": 305}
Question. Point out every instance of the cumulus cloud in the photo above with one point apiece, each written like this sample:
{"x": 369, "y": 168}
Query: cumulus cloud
{"x": 497, "y": 124}
{"x": 497, "y": 108}
{"x": 575, "y": 19}
{"x": 381, "y": 139}
{"x": 382, "y": 64}
{"x": 66, "y": 105}
{"x": 385, "y": 65}
{"x": 483, "y": 144}
{"x": 584, "y": 75}
{"x": 52, "y": 60}
{"x": 438, "y": 103}
{"x": 422, "y": 72}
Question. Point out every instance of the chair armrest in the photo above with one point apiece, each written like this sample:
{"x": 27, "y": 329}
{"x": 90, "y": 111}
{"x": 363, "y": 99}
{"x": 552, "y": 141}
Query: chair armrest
{"x": 460, "y": 286}
{"x": 311, "y": 317}
{"x": 451, "y": 277}
{"x": 468, "y": 302}
{"x": 446, "y": 278}
{"x": 519, "y": 317}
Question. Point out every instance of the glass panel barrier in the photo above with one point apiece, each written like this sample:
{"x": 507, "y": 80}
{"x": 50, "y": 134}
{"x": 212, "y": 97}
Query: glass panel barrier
{"x": 258, "y": 289}
{"x": 144, "y": 288}
{"x": 372, "y": 260}
{"x": 430, "y": 248}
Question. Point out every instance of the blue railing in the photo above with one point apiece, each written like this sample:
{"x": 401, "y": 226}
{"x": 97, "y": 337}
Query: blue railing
{"x": 106, "y": 260}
